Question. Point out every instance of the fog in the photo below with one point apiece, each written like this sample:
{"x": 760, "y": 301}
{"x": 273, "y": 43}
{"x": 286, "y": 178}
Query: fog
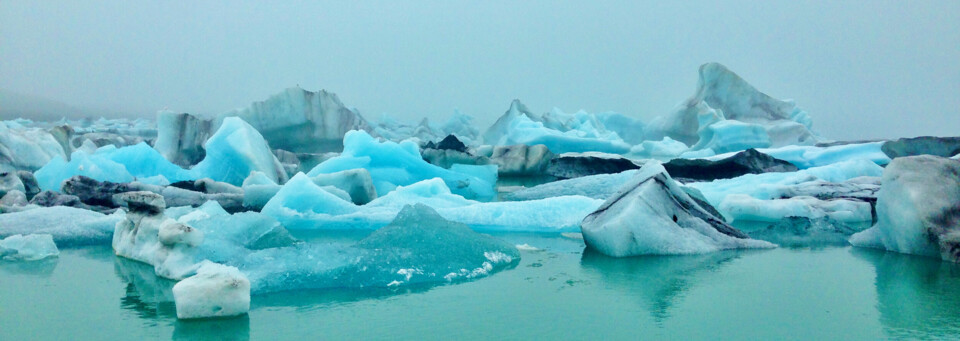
{"x": 862, "y": 69}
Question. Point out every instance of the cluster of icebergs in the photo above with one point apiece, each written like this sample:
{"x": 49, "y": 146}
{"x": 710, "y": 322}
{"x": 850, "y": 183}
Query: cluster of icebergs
{"x": 216, "y": 203}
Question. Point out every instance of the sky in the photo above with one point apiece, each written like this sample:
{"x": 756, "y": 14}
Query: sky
{"x": 862, "y": 69}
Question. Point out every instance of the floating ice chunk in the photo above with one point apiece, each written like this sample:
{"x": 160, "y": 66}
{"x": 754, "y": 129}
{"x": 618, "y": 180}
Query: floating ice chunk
{"x": 67, "y": 225}
{"x": 234, "y": 151}
{"x": 52, "y": 175}
{"x": 27, "y": 148}
{"x": 391, "y": 164}
{"x": 138, "y": 237}
{"x": 28, "y": 248}
{"x": 560, "y": 132}
{"x": 664, "y": 149}
{"x": 521, "y": 159}
{"x": 10, "y": 181}
{"x": 461, "y": 126}
{"x": 600, "y": 186}
{"x": 745, "y": 207}
{"x": 814, "y": 156}
{"x": 774, "y": 185}
{"x": 527, "y": 247}
{"x": 303, "y": 205}
{"x": 180, "y": 137}
{"x": 301, "y": 121}
{"x": 653, "y": 215}
{"x": 215, "y": 291}
{"x": 749, "y": 161}
{"x": 731, "y": 136}
{"x": 357, "y": 183}
{"x": 917, "y": 209}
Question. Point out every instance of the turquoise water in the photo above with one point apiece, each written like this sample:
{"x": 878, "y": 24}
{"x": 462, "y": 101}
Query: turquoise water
{"x": 557, "y": 293}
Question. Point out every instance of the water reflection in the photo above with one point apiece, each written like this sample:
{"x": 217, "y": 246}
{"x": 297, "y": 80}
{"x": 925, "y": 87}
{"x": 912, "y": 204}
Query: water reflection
{"x": 918, "y": 297}
{"x": 234, "y": 328}
{"x": 41, "y": 268}
{"x": 658, "y": 281}
{"x": 147, "y": 294}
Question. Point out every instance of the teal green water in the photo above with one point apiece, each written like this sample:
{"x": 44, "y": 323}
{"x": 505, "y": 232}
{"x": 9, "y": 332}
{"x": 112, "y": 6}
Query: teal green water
{"x": 558, "y": 293}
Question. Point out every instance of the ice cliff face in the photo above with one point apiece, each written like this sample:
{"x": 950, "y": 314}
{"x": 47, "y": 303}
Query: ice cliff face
{"x": 721, "y": 97}
{"x": 301, "y": 121}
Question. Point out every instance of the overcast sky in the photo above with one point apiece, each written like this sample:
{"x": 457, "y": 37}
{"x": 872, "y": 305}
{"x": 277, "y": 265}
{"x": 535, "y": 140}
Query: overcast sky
{"x": 866, "y": 69}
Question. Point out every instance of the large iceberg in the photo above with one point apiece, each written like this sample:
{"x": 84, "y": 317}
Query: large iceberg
{"x": 653, "y": 215}
{"x": 918, "y": 209}
{"x": 301, "y": 121}
{"x": 728, "y": 114}
{"x": 560, "y": 132}
{"x": 399, "y": 164}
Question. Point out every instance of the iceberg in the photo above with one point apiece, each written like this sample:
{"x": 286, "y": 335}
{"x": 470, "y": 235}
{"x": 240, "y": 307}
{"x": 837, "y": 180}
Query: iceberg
{"x": 749, "y": 161}
{"x": 728, "y": 114}
{"x": 10, "y": 181}
{"x": 68, "y": 226}
{"x": 215, "y": 291}
{"x": 180, "y": 137}
{"x": 601, "y": 186}
{"x": 399, "y": 164}
{"x": 235, "y": 150}
{"x": 28, "y": 248}
{"x": 769, "y": 186}
{"x": 558, "y": 131}
{"x": 917, "y": 209}
{"x": 297, "y": 120}
{"x": 745, "y": 207}
{"x": 301, "y": 204}
{"x": 653, "y": 215}
{"x": 27, "y": 148}
{"x": 521, "y": 160}
{"x": 572, "y": 165}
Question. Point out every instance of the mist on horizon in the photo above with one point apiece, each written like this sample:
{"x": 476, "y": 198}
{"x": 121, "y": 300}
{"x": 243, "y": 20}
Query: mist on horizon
{"x": 862, "y": 69}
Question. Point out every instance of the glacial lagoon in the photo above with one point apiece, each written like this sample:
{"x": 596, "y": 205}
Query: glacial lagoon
{"x": 559, "y": 291}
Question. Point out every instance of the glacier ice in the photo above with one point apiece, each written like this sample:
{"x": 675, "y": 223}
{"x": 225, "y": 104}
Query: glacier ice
{"x": 27, "y": 148}
{"x": 298, "y": 120}
{"x": 768, "y": 186}
{"x": 301, "y": 204}
{"x": 745, "y": 207}
{"x": 232, "y": 153}
{"x": 721, "y": 97}
{"x": 10, "y": 181}
{"x": 180, "y": 137}
{"x": 521, "y": 159}
{"x": 235, "y": 150}
{"x": 664, "y": 149}
{"x": 600, "y": 186}
{"x": 560, "y": 132}
{"x": 749, "y": 161}
{"x": 29, "y": 247}
{"x": 653, "y": 215}
{"x": 69, "y": 226}
{"x": 399, "y": 164}
{"x": 917, "y": 209}
{"x": 572, "y": 165}
{"x": 215, "y": 291}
